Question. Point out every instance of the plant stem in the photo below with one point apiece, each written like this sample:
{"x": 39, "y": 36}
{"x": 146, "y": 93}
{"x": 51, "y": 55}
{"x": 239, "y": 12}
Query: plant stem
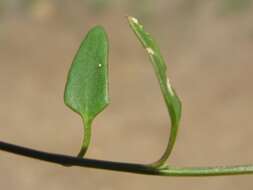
{"x": 86, "y": 137}
{"x": 207, "y": 171}
{"x": 169, "y": 148}
{"x": 125, "y": 167}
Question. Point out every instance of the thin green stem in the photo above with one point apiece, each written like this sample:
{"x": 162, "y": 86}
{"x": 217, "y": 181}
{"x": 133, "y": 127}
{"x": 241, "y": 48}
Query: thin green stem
{"x": 172, "y": 138}
{"x": 126, "y": 167}
{"x": 86, "y": 137}
{"x": 207, "y": 171}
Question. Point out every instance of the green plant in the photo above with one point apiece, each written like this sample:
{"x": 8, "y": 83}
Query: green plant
{"x": 86, "y": 89}
{"x": 86, "y": 93}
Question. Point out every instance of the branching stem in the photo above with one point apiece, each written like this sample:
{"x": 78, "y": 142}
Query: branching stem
{"x": 125, "y": 167}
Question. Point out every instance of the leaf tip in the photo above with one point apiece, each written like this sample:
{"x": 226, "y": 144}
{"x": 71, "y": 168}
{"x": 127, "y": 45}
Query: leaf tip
{"x": 133, "y": 20}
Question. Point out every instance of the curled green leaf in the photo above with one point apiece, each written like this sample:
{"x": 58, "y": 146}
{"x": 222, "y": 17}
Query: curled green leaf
{"x": 172, "y": 101}
{"x": 86, "y": 90}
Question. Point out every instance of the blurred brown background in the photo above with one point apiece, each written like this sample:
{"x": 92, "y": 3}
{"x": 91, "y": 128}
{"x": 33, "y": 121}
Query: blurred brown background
{"x": 208, "y": 47}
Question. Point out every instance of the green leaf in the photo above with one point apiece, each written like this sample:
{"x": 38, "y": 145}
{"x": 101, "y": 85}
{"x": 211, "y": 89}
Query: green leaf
{"x": 86, "y": 90}
{"x": 171, "y": 99}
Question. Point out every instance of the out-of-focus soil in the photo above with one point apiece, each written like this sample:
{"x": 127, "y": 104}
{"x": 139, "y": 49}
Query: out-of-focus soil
{"x": 209, "y": 57}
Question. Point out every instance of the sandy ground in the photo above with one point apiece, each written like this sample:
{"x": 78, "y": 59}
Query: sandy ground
{"x": 209, "y": 57}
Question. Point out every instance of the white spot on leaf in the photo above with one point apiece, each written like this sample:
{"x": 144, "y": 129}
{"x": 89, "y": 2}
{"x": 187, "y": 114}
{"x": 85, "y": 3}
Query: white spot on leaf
{"x": 169, "y": 87}
{"x": 99, "y": 65}
{"x": 150, "y": 51}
